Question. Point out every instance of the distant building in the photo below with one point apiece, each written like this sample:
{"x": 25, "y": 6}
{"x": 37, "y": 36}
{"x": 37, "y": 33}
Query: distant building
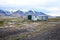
{"x": 30, "y": 15}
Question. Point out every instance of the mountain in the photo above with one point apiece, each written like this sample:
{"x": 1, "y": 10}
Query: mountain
{"x": 29, "y": 12}
{"x": 39, "y": 13}
{"x": 4, "y": 13}
{"x": 18, "y": 13}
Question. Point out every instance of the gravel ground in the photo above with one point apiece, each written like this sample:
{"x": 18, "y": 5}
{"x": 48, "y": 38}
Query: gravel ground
{"x": 10, "y": 31}
{"x": 51, "y": 32}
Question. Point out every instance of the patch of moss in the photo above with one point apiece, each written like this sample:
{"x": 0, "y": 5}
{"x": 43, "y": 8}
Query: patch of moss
{"x": 18, "y": 39}
{"x": 1, "y": 23}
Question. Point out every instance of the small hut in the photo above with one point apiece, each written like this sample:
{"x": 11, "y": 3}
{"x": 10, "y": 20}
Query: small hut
{"x": 30, "y": 15}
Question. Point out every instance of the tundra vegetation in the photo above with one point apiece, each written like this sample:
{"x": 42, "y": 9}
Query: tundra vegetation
{"x": 22, "y": 29}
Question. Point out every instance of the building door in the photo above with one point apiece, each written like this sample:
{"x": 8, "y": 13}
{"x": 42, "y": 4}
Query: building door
{"x": 29, "y": 17}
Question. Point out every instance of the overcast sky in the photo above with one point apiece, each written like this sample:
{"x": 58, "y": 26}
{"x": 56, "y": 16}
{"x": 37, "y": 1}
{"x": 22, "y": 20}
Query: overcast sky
{"x": 50, "y": 7}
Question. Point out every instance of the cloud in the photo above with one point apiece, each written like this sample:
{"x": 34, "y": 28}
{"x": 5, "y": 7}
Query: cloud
{"x": 53, "y": 9}
{"x": 50, "y": 6}
{"x": 54, "y": 14}
{"x": 25, "y": 2}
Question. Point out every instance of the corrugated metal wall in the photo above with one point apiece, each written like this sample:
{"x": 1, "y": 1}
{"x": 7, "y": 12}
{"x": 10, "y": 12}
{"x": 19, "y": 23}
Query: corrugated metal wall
{"x": 45, "y": 17}
{"x": 35, "y": 18}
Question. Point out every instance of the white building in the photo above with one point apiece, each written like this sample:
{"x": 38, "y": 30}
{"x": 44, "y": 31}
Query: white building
{"x": 30, "y": 15}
